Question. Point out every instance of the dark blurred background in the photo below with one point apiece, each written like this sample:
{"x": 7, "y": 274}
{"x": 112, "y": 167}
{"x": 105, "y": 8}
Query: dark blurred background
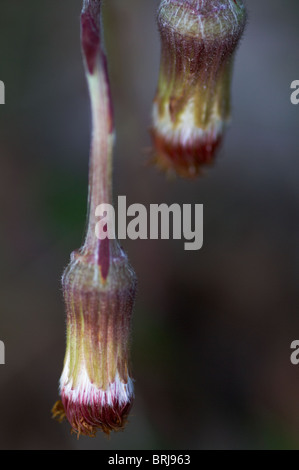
{"x": 212, "y": 329}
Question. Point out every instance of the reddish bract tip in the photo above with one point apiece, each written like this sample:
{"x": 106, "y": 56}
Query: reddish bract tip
{"x": 186, "y": 160}
{"x": 87, "y": 419}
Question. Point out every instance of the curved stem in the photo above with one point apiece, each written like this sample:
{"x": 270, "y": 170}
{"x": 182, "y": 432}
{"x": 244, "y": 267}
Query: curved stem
{"x": 100, "y": 171}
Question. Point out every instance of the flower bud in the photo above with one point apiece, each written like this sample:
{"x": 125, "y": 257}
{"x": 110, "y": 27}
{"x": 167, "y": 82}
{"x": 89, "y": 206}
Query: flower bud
{"x": 192, "y": 104}
{"x": 95, "y": 386}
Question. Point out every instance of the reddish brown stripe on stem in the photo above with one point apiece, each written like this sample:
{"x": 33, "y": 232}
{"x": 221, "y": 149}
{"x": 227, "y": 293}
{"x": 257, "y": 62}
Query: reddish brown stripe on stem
{"x": 90, "y": 40}
{"x": 111, "y": 111}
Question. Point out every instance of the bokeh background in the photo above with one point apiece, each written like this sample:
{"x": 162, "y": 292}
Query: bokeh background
{"x": 212, "y": 329}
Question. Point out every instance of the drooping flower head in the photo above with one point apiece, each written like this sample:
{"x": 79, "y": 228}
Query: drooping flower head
{"x": 99, "y": 284}
{"x": 95, "y": 386}
{"x": 192, "y": 103}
